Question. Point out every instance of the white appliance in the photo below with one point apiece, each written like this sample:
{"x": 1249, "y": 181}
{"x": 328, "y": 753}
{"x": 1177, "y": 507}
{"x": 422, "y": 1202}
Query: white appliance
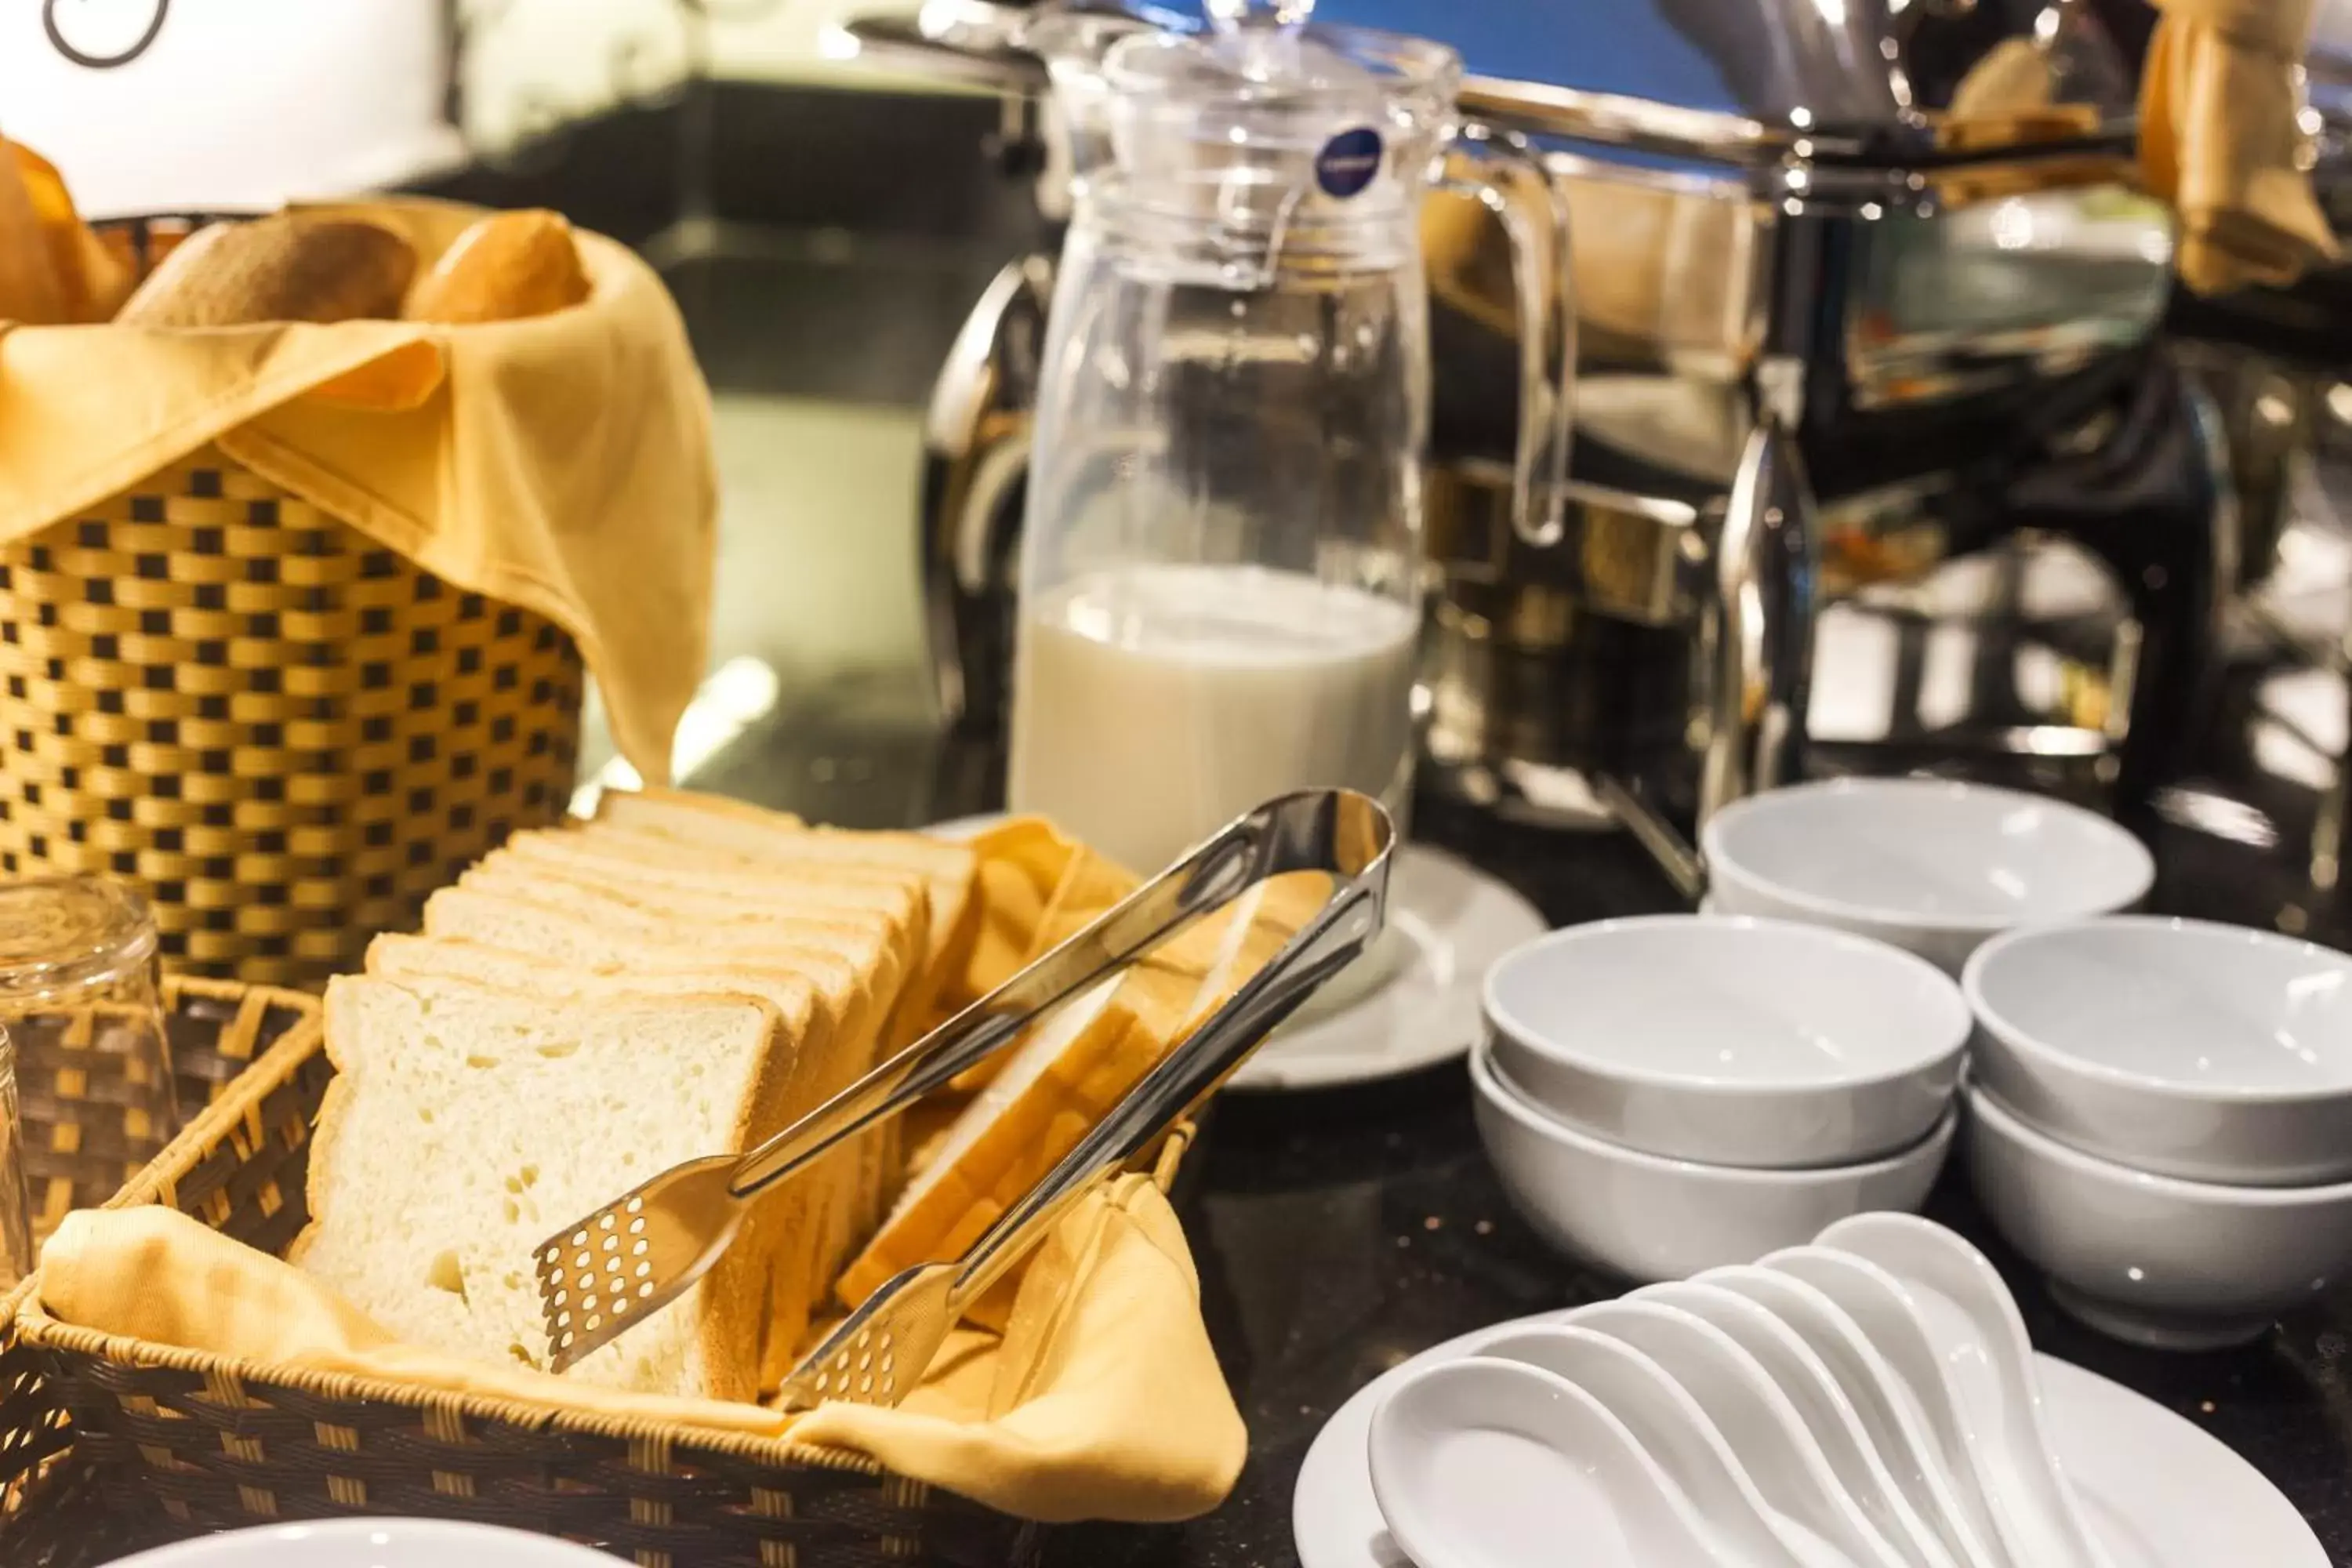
{"x": 230, "y": 103}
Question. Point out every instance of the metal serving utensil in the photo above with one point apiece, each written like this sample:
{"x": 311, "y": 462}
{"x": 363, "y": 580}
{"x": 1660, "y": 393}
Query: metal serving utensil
{"x": 618, "y": 1266}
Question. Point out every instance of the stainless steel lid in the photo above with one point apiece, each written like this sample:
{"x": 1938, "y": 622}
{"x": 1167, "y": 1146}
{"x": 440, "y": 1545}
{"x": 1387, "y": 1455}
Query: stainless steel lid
{"x": 1867, "y": 81}
{"x": 1895, "y": 83}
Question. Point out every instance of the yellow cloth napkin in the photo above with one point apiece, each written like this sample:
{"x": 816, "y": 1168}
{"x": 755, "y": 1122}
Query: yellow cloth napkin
{"x": 1102, "y": 1399}
{"x": 2218, "y": 139}
{"x": 561, "y": 463}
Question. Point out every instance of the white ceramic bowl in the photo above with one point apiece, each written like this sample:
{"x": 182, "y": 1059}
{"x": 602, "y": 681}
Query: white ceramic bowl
{"x": 1728, "y": 1039}
{"x": 1651, "y": 1218}
{"x": 1928, "y": 865}
{"x": 2155, "y": 1260}
{"x": 2210, "y": 1052}
{"x": 371, "y": 1543}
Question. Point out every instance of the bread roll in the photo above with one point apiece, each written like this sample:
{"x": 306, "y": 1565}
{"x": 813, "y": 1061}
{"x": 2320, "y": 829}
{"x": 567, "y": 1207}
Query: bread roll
{"x": 503, "y": 268}
{"x": 29, "y": 290}
{"x": 289, "y": 266}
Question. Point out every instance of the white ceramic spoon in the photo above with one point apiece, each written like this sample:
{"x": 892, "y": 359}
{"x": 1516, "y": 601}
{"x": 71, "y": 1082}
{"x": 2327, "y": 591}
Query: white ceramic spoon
{"x": 1669, "y": 1426}
{"x": 1980, "y": 1342}
{"x": 1913, "y": 1454}
{"x": 1488, "y": 1464}
{"x": 1754, "y": 1415}
{"x": 1819, "y": 1403}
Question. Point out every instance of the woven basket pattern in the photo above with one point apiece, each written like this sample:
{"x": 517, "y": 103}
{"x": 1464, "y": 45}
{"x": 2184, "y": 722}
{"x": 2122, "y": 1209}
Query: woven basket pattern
{"x": 78, "y": 1149}
{"x": 167, "y": 1443}
{"x": 288, "y": 734}
{"x": 50, "y": 1511}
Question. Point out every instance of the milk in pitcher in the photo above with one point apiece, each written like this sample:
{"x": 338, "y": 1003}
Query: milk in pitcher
{"x": 1153, "y": 704}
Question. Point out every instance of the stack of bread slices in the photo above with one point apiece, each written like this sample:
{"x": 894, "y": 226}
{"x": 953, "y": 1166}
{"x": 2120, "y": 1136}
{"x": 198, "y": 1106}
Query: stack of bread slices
{"x": 682, "y": 976}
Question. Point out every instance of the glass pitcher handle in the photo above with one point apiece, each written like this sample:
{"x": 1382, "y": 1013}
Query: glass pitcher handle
{"x": 1547, "y": 317}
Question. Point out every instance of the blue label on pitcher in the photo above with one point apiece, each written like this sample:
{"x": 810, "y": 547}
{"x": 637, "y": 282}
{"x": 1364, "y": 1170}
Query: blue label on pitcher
{"x": 1347, "y": 162}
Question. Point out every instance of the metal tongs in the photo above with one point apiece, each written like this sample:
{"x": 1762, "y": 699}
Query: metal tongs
{"x": 625, "y": 1262}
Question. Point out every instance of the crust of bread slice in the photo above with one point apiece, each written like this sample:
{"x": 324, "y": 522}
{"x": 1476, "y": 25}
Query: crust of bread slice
{"x": 660, "y": 869}
{"x": 665, "y": 862}
{"x": 748, "y": 829}
{"x": 466, "y": 1119}
{"x": 899, "y": 915}
{"x": 713, "y": 914}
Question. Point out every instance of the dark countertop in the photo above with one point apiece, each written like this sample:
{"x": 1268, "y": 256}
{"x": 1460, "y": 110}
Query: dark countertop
{"x": 1339, "y": 1232}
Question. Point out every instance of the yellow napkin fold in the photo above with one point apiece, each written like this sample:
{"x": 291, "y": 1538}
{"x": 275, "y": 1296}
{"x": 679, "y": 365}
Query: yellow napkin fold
{"x": 2218, "y": 139}
{"x": 1102, "y": 1399}
{"x": 561, "y": 463}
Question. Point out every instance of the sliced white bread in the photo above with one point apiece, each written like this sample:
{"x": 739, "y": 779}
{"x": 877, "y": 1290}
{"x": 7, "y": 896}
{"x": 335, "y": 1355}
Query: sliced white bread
{"x": 617, "y": 939}
{"x": 466, "y": 1123}
{"x": 716, "y": 914}
{"x": 898, "y": 916}
{"x": 900, "y": 956}
{"x": 747, "y": 829}
{"x": 737, "y": 828}
{"x": 660, "y": 862}
{"x": 403, "y": 959}
{"x": 812, "y": 1210}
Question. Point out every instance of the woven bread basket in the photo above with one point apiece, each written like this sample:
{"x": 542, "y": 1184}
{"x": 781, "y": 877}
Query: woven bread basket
{"x": 288, "y": 734}
{"x": 111, "y": 1443}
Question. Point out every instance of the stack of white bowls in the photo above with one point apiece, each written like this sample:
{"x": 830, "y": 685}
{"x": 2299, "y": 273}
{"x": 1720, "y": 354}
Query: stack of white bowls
{"x": 2161, "y": 1119}
{"x": 1666, "y": 1095}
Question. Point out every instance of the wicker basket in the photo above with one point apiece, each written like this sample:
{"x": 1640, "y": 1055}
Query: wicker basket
{"x": 74, "y": 1144}
{"x": 167, "y": 1443}
{"x": 289, "y": 734}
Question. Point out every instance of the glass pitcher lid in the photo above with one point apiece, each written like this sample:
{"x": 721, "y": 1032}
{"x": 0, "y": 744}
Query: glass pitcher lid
{"x": 1261, "y": 98}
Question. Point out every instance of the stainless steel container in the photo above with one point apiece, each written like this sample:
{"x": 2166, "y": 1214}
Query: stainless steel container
{"x": 1859, "y": 289}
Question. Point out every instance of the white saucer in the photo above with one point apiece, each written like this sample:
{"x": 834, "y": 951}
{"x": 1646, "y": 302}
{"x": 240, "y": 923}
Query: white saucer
{"x": 370, "y": 1543}
{"x": 2159, "y": 1493}
{"x": 1451, "y": 922}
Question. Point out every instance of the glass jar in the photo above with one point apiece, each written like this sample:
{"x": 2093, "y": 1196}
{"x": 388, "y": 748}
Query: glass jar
{"x": 79, "y": 997}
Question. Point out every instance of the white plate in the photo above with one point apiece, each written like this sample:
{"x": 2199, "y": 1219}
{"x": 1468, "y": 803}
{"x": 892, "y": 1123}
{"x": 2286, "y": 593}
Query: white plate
{"x": 1449, "y": 922}
{"x": 1452, "y": 923}
{"x": 2159, "y": 1493}
{"x": 371, "y": 1543}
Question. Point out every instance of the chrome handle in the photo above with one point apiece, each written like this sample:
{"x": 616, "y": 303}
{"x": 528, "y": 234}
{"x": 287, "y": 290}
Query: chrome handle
{"x": 975, "y": 441}
{"x": 1540, "y": 256}
{"x": 1335, "y": 937}
{"x": 1760, "y": 624}
{"x": 1334, "y": 830}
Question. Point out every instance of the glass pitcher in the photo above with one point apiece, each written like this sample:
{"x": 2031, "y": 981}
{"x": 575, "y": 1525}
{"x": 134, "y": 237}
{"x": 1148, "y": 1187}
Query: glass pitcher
{"x": 1221, "y": 580}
